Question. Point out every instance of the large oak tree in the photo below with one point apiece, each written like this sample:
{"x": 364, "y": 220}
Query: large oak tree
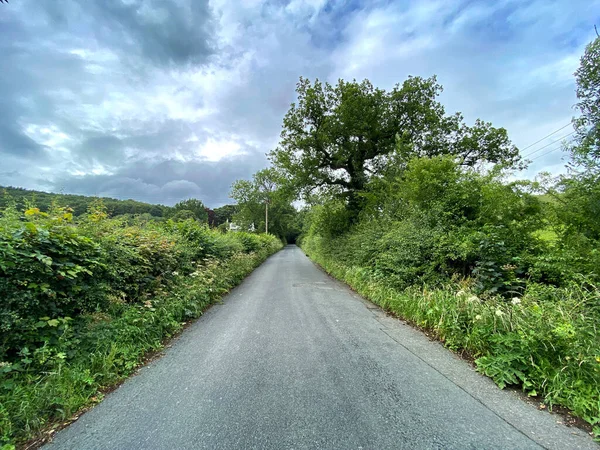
{"x": 338, "y": 137}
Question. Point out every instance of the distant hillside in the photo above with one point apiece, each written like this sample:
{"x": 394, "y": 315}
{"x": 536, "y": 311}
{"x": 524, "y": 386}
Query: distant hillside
{"x": 115, "y": 207}
{"x": 79, "y": 203}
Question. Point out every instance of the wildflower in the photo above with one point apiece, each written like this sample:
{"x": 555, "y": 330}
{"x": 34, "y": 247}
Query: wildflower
{"x": 516, "y": 301}
{"x": 175, "y": 273}
{"x": 499, "y": 313}
{"x": 478, "y": 317}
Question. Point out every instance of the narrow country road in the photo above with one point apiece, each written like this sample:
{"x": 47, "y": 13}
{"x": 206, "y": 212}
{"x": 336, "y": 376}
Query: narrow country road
{"x": 295, "y": 360}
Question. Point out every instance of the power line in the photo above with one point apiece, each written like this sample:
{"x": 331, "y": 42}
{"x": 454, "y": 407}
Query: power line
{"x": 547, "y": 153}
{"x": 554, "y": 132}
{"x": 548, "y": 145}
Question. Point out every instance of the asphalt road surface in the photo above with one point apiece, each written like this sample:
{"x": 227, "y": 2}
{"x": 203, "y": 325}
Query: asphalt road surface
{"x": 295, "y": 360}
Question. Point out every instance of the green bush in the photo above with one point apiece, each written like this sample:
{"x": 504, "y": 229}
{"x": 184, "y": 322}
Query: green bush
{"x": 84, "y": 301}
{"x": 467, "y": 255}
{"x": 250, "y": 242}
{"x": 47, "y": 269}
{"x": 546, "y": 340}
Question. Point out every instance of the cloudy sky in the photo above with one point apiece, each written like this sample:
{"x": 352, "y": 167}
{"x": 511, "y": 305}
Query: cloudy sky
{"x": 162, "y": 100}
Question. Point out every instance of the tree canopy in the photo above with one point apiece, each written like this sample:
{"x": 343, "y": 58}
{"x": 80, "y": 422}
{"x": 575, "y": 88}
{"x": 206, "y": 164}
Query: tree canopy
{"x": 78, "y": 203}
{"x": 587, "y": 125}
{"x": 264, "y": 194}
{"x": 338, "y": 137}
{"x": 196, "y": 208}
{"x": 580, "y": 191}
{"x": 223, "y": 214}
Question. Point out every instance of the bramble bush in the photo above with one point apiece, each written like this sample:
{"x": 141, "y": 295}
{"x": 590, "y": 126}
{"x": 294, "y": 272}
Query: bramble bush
{"x": 84, "y": 301}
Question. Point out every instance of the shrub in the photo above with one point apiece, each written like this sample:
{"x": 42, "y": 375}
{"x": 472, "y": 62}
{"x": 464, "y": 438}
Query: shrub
{"x": 84, "y": 301}
{"x": 468, "y": 256}
{"x": 47, "y": 269}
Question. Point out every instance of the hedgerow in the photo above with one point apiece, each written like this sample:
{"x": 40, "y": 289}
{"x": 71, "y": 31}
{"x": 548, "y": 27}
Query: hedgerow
{"x": 479, "y": 273}
{"x": 416, "y": 210}
{"x": 546, "y": 340}
{"x": 84, "y": 302}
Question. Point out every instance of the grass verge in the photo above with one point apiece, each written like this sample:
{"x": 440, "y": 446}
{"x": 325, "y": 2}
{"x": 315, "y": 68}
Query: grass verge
{"x": 547, "y": 341}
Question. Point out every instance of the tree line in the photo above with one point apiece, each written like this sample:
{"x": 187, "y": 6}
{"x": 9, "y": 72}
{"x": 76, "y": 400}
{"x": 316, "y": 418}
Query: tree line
{"x": 80, "y": 204}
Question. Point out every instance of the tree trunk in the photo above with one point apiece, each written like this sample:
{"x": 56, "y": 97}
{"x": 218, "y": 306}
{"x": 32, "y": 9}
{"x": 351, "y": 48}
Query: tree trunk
{"x": 357, "y": 185}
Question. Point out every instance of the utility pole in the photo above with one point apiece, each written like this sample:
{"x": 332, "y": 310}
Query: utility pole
{"x": 265, "y": 181}
{"x": 267, "y": 216}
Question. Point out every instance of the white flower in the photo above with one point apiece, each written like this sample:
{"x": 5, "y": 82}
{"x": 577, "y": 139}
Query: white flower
{"x": 478, "y": 317}
{"x": 516, "y": 301}
{"x": 499, "y": 313}
{"x": 175, "y": 273}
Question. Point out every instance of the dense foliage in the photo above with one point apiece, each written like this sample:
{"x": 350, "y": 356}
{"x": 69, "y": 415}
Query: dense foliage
{"x": 223, "y": 214}
{"x": 191, "y": 208}
{"x": 508, "y": 272}
{"x": 587, "y": 125}
{"x": 83, "y": 301}
{"x": 265, "y": 204}
{"x": 336, "y": 137}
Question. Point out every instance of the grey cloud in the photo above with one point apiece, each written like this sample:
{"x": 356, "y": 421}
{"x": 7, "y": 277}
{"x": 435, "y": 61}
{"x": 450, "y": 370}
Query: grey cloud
{"x": 13, "y": 141}
{"x": 165, "y": 32}
{"x": 160, "y": 137}
{"x": 169, "y": 181}
{"x": 282, "y": 49}
{"x": 62, "y": 61}
{"x": 29, "y": 76}
{"x": 104, "y": 148}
